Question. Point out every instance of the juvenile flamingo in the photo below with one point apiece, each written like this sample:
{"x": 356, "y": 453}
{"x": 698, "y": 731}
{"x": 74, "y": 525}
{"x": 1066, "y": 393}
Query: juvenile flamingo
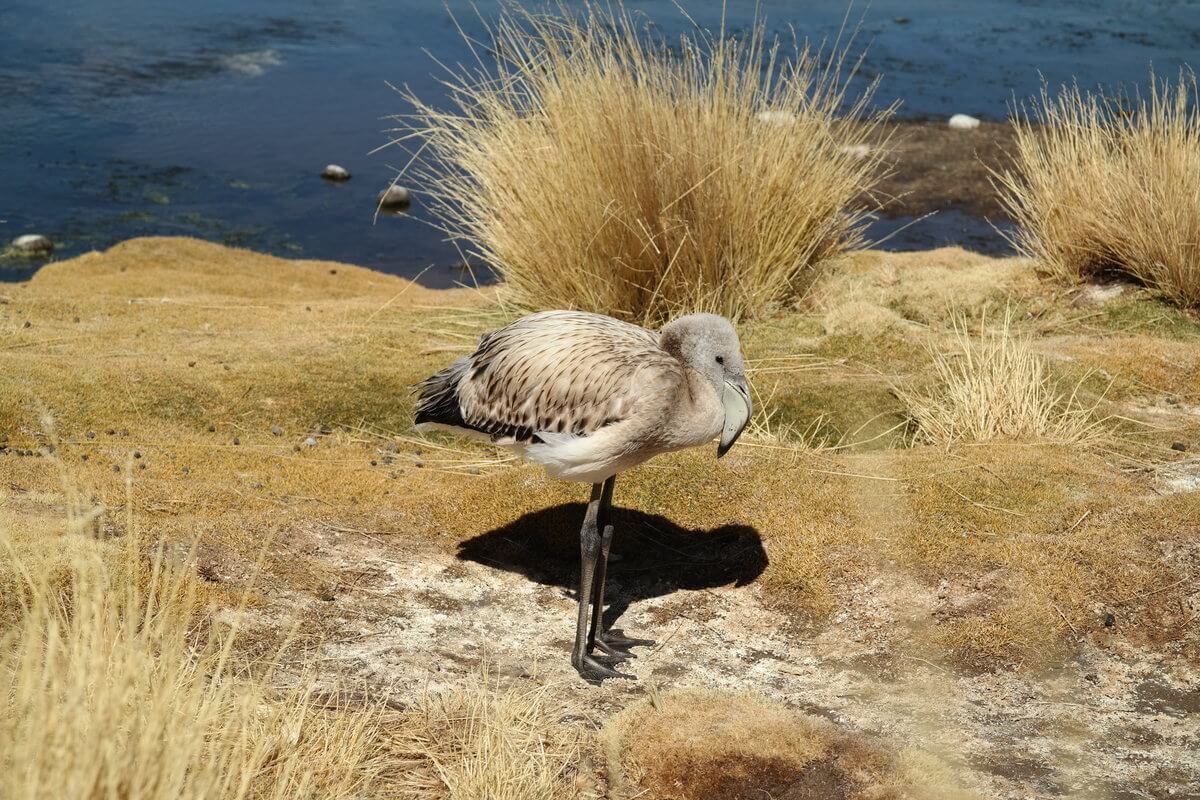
{"x": 588, "y": 396}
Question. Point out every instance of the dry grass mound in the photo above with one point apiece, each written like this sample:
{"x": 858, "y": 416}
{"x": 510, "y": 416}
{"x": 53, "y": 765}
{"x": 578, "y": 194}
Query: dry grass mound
{"x": 108, "y": 695}
{"x": 995, "y": 387}
{"x": 597, "y": 168}
{"x": 694, "y": 744}
{"x": 1104, "y": 185}
{"x": 481, "y": 741}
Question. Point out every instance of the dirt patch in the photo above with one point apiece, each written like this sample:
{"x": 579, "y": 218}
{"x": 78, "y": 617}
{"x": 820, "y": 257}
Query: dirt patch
{"x": 936, "y": 167}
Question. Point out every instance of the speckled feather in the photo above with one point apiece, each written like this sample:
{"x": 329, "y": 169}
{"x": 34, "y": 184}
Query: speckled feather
{"x": 554, "y": 372}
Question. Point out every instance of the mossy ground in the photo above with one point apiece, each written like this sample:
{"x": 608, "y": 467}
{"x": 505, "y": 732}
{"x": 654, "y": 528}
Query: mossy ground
{"x": 250, "y": 402}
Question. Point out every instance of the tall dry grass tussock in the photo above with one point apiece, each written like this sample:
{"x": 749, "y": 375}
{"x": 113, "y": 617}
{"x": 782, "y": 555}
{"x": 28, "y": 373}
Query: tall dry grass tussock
{"x": 995, "y": 387}
{"x": 595, "y": 167}
{"x": 1104, "y": 184}
{"x": 110, "y": 691}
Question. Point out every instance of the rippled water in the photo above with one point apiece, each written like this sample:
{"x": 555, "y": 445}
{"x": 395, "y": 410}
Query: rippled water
{"x": 125, "y": 118}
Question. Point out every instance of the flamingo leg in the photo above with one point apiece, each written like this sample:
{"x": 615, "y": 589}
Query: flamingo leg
{"x": 612, "y": 643}
{"x": 592, "y": 668}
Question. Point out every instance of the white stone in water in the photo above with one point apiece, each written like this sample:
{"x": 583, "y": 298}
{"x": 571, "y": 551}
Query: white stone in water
{"x": 395, "y": 197}
{"x": 856, "y": 150}
{"x": 964, "y": 122}
{"x": 776, "y": 117}
{"x": 333, "y": 172}
{"x": 33, "y": 244}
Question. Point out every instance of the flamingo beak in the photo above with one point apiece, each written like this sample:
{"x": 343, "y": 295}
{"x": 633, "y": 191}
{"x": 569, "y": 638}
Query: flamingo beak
{"x": 736, "y": 399}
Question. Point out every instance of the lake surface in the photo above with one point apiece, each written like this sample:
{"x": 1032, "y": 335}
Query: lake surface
{"x": 130, "y": 117}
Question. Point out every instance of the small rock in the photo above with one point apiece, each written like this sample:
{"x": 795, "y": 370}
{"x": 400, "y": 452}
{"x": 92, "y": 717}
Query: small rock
{"x": 83, "y": 457}
{"x": 75, "y": 319}
{"x": 116, "y": 467}
{"x": 27, "y": 324}
{"x": 91, "y": 434}
{"x": 236, "y": 441}
{"x": 310, "y": 442}
{"x": 374, "y": 463}
{"x": 964, "y": 122}
{"x": 276, "y": 430}
{"x": 212, "y": 428}
{"x": 191, "y": 363}
{"x": 186, "y": 471}
{"x": 137, "y": 453}
{"x": 111, "y": 432}
{"x": 776, "y": 117}
{"x": 395, "y": 197}
{"x": 142, "y": 466}
{"x": 33, "y": 244}
{"x": 1178, "y": 447}
{"x": 1110, "y": 619}
{"x": 1172, "y": 400}
{"x": 334, "y": 172}
{"x": 901, "y": 20}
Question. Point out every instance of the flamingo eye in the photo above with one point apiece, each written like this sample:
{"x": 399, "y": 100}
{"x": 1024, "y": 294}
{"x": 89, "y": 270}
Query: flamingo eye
{"x": 720, "y": 359}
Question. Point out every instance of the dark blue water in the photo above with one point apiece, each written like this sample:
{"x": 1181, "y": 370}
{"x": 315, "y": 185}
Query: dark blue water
{"x": 143, "y": 117}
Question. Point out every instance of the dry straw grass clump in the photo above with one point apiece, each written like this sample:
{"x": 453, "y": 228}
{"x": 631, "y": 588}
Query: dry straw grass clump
{"x": 480, "y": 741}
{"x": 596, "y": 168}
{"x": 699, "y": 744}
{"x": 109, "y": 691}
{"x": 995, "y": 387}
{"x": 1112, "y": 185}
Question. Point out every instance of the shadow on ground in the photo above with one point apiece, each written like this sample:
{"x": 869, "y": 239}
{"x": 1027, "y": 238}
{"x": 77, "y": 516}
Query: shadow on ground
{"x": 652, "y": 556}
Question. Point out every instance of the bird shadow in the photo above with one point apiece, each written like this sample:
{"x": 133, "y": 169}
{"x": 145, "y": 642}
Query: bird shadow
{"x": 652, "y": 556}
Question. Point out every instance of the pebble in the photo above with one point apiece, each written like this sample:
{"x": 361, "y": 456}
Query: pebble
{"x": 91, "y": 434}
{"x": 236, "y": 440}
{"x": 335, "y": 172}
{"x": 1179, "y": 447}
{"x": 137, "y": 453}
{"x": 964, "y": 122}
{"x": 395, "y": 197}
{"x": 27, "y": 324}
{"x": 776, "y": 117}
{"x": 310, "y": 442}
{"x": 276, "y": 430}
{"x": 111, "y": 432}
{"x": 33, "y": 244}
{"x": 212, "y": 428}
{"x": 116, "y": 467}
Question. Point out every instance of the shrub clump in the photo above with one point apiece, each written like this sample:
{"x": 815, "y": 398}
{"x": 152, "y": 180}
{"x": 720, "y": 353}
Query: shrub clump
{"x": 593, "y": 167}
{"x": 1107, "y": 185}
{"x": 995, "y": 387}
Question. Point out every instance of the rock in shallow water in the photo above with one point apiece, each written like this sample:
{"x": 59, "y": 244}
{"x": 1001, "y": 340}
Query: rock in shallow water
{"x": 395, "y": 197}
{"x": 33, "y": 244}
{"x": 964, "y": 122}
{"x": 333, "y": 172}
